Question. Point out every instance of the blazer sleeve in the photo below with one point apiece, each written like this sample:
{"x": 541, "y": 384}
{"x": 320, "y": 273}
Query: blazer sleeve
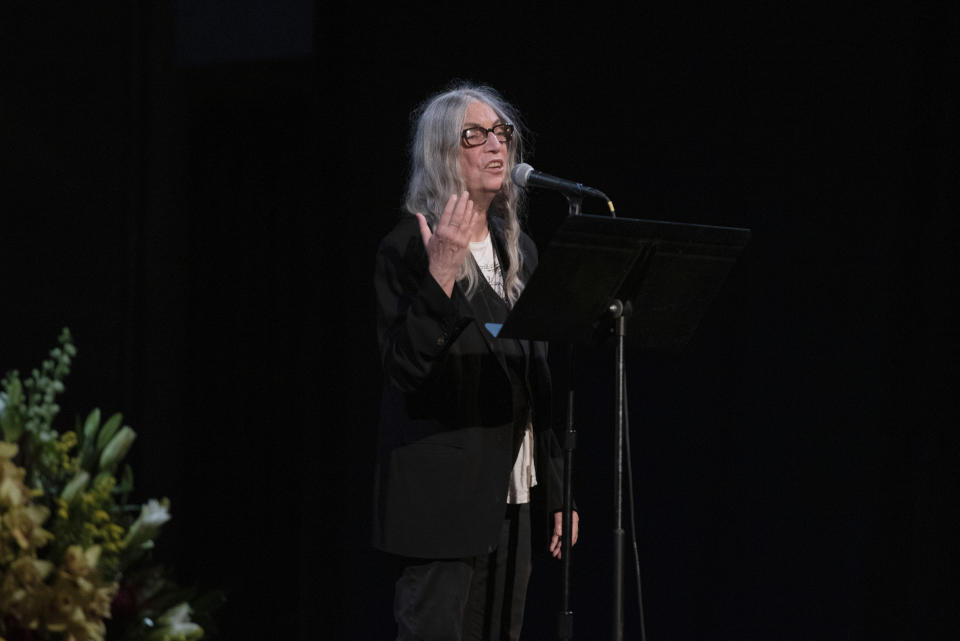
{"x": 416, "y": 321}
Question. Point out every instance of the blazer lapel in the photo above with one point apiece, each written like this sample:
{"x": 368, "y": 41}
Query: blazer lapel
{"x": 483, "y": 313}
{"x": 499, "y": 246}
{"x": 487, "y": 304}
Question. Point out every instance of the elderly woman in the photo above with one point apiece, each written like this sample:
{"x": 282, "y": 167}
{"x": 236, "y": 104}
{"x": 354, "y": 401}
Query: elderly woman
{"x": 465, "y": 435}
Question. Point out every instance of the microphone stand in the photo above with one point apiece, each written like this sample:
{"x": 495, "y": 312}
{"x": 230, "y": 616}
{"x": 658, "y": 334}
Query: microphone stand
{"x": 619, "y": 312}
{"x": 565, "y": 618}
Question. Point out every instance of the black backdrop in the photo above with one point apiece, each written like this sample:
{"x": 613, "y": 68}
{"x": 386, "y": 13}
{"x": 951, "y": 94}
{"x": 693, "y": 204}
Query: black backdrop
{"x": 197, "y": 190}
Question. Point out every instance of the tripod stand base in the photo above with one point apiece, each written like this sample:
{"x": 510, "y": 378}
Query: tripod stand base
{"x": 565, "y": 626}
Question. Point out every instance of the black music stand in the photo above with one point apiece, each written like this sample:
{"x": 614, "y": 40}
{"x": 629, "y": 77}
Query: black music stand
{"x": 597, "y": 272}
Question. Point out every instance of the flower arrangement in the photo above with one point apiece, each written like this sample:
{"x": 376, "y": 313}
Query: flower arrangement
{"x": 74, "y": 552}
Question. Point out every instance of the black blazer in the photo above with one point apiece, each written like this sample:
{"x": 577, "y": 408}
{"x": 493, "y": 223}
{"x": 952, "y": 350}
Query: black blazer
{"x": 454, "y": 406}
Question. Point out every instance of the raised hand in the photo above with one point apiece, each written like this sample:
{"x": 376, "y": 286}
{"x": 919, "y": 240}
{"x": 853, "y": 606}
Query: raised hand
{"x": 448, "y": 243}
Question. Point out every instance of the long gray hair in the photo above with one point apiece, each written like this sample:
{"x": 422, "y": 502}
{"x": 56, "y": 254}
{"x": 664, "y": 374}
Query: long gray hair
{"x": 435, "y": 173}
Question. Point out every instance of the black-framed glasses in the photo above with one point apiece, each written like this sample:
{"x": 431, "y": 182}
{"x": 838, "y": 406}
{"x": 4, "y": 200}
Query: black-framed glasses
{"x": 476, "y": 136}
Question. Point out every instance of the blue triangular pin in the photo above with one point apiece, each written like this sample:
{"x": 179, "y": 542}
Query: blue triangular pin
{"x": 493, "y": 328}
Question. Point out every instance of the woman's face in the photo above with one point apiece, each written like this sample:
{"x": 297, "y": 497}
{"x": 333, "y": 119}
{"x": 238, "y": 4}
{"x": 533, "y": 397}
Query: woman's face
{"x": 483, "y": 167}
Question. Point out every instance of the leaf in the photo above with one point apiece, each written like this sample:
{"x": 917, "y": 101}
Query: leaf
{"x": 125, "y": 483}
{"x": 108, "y": 430}
{"x": 77, "y": 485}
{"x": 91, "y": 425}
{"x": 14, "y": 390}
{"x": 11, "y": 420}
{"x": 116, "y": 449}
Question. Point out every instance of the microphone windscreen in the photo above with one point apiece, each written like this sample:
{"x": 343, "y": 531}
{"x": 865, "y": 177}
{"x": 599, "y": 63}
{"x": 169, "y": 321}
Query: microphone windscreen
{"x": 520, "y": 174}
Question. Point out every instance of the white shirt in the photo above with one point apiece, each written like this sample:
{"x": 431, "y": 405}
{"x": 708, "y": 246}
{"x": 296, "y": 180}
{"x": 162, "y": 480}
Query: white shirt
{"x": 524, "y": 475}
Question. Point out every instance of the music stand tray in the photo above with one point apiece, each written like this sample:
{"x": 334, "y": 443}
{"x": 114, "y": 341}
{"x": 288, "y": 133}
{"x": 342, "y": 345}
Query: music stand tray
{"x": 668, "y": 272}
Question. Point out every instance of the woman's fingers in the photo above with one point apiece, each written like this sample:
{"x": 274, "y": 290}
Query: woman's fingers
{"x": 461, "y": 211}
{"x": 447, "y": 211}
{"x": 425, "y": 232}
{"x": 556, "y": 539}
{"x": 469, "y": 216}
{"x": 454, "y": 228}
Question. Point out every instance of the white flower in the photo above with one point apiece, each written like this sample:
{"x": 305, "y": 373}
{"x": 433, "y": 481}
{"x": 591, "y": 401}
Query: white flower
{"x": 153, "y": 514}
{"x": 175, "y": 625}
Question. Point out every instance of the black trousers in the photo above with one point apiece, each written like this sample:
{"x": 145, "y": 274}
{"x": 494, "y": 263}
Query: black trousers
{"x": 477, "y": 598}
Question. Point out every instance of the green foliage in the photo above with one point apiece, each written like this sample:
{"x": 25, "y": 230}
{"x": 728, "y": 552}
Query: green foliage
{"x": 66, "y": 526}
{"x": 28, "y": 409}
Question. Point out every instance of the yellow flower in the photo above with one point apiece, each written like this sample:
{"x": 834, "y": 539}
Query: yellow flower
{"x": 64, "y": 601}
{"x": 68, "y": 440}
{"x": 8, "y": 450}
{"x": 102, "y": 599}
{"x": 79, "y": 601}
{"x": 24, "y": 524}
{"x": 66, "y": 443}
{"x": 13, "y": 492}
{"x": 23, "y": 592}
{"x": 78, "y": 562}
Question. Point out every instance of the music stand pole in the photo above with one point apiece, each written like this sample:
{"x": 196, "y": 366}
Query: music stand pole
{"x": 565, "y": 618}
{"x": 620, "y": 313}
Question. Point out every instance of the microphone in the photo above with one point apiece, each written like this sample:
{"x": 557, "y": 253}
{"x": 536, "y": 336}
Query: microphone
{"x": 526, "y": 176}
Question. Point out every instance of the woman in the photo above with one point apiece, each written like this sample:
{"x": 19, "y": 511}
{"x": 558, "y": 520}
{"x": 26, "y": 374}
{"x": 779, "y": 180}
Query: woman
{"x": 465, "y": 439}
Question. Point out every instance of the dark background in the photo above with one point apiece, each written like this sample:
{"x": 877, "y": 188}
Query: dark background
{"x": 197, "y": 189}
